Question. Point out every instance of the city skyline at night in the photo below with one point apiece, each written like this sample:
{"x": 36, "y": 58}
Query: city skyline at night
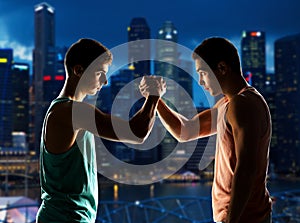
{"x": 49, "y": 65}
{"x": 107, "y": 23}
{"x": 34, "y": 38}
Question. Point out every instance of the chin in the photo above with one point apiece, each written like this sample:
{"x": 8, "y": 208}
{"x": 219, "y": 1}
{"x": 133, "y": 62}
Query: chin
{"x": 215, "y": 94}
{"x": 92, "y": 93}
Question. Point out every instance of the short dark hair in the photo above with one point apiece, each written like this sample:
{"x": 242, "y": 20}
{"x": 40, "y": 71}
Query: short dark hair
{"x": 216, "y": 49}
{"x": 84, "y": 52}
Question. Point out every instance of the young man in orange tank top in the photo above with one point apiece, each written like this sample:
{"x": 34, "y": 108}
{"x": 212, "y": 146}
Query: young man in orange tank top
{"x": 242, "y": 122}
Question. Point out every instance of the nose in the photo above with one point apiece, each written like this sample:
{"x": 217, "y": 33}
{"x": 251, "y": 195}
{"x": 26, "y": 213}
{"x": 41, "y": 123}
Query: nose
{"x": 201, "y": 81}
{"x": 103, "y": 79}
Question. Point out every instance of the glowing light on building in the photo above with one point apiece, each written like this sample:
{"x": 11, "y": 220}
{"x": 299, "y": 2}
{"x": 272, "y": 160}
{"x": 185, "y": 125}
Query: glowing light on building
{"x": 21, "y": 67}
{"x": 3, "y": 60}
{"x": 51, "y": 10}
{"x": 168, "y": 36}
{"x": 47, "y": 78}
{"x": 59, "y": 77}
{"x": 38, "y": 8}
{"x": 255, "y": 34}
{"x": 41, "y": 6}
{"x": 131, "y": 67}
{"x": 248, "y": 77}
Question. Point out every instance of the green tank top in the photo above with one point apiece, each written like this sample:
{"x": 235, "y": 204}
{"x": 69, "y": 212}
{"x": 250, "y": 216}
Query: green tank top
{"x": 69, "y": 187}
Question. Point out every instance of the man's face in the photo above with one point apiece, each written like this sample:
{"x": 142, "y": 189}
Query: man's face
{"x": 95, "y": 78}
{"x": 207, "y": 78}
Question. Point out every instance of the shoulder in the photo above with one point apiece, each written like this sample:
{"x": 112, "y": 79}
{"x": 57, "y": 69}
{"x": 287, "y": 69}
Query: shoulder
{"x": 63, "y": 109}
{"x": 60, "y": 113}
{"x": 220, "y": 102}
{"x": 248, "y": 111}
{"x": 243, "y": 108}
{"x": 240, "y": 102}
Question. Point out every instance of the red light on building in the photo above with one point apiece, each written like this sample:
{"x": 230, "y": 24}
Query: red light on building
{"x": 255, "y": 34}
{"x": 47, "y": 78}
{"x": 59, "y": 77}
{"x": 248, "y": 77}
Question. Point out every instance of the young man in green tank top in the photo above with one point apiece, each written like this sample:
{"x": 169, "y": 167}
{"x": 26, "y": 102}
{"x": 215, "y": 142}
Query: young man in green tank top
{"x": 242, "y": 122}
{"x": 67, "y": 158}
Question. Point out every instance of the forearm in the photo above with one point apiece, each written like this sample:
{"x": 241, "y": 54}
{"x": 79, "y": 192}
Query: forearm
{"x": 172, "y": 121}
{"x": 241, "y": 189}
{"x": 142, "y": 122}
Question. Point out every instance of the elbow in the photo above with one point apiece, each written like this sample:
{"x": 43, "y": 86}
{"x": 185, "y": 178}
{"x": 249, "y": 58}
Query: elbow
{"x": 141, "y": 140}
{"x": 182, "y": 139}
{"x": 132, "y": 140}
{"x": 140, "y": 137}
{"x": 184, "y": 134}
{"x": 138, "y": 141}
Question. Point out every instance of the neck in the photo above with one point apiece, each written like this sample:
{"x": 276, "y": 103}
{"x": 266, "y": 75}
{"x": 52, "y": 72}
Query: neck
{"x": 234, "y": 86}
{"x": 69, "y": 90}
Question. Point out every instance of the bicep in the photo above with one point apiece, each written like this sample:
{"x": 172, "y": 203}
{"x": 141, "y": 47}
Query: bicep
{"x": 114, "y": 128}
{"x": 87, "y": 117}
{"x": 103, "y": 125}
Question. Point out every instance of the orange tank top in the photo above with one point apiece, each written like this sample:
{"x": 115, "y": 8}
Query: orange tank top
{"x": 259, "y": 204}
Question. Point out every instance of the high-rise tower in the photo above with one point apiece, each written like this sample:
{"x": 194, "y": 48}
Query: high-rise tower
{"x": 253, "y": 52}
{"x": 287, "y": 129}
{"x": 139, "y": 32}
{"x": 167, "y": 57}
{"x": 20, "y": 85}
{"x": 6, "y": 98}
{"x": 43, "y": 60}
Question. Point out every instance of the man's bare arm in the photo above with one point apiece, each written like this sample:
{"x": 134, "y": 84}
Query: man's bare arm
{"x": 184, "y": 129}
{"x": 136, "y": 130}
{"x": 110, "y": 127}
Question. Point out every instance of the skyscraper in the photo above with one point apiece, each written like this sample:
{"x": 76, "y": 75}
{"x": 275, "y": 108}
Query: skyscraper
{"x": 53, "y": 82}
{"x": 118, "y": 82}
{"x": 167, "y": 52}
{"x": 6, "y": 98}
{"x": 185, "y": 78}
{"x": 287, "y": 130}
{"x": 139, "y": 32}
{"x": 253, "y": 50}
{"x": 166, "y": 58}
{"x": 139, "y": 51}
{"x": 20, "y": 86}
{"x": 43, "y": 60}
{"x": 270, "y": 97}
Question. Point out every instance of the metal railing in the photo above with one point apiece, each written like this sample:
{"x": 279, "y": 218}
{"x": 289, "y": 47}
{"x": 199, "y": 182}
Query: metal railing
{"x": 171, "y": 209}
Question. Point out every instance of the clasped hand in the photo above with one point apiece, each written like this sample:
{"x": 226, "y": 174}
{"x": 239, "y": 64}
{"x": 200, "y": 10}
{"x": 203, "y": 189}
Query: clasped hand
{"x": 152, "y": 85}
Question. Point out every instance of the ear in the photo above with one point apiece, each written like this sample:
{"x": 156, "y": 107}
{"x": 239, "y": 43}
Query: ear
{"x": 78, "y": 70}
{"x": 222, "y": 67}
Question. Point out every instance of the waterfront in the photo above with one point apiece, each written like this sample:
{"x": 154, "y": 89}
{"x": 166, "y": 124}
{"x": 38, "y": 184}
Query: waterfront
{"x": 132, "y": 193}
{"x": 122, "y": 192}
{"x": 184, "y": 202}
{"x": 165, "y": 200}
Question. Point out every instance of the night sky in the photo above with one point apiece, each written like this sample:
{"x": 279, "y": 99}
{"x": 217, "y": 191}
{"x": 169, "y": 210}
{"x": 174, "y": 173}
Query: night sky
{"x": 107, "y": 21}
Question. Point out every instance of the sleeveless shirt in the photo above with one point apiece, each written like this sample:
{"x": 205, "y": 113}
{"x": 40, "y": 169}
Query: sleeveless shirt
{"x": 259, "y": 204}
{"x": 69, "y": 187}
